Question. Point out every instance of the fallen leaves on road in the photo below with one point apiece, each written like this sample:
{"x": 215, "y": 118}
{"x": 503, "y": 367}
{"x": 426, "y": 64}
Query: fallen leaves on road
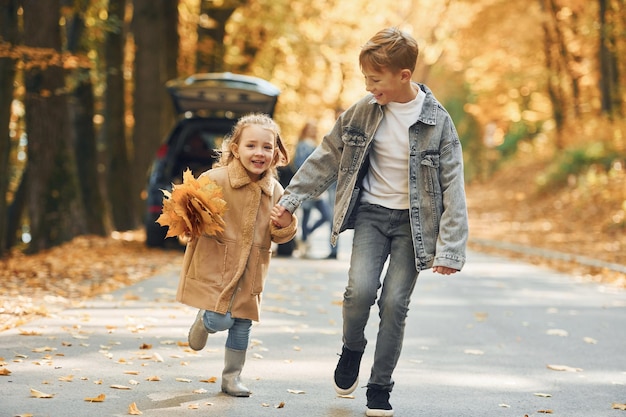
{"x": 64, "y": 276}
{"x": 618, "y": 406}
{"x": 99, "y": 399}
{"x": 133, "y": 410}
{"x": 38, "y": 394}
{"x": 564, "y": 368}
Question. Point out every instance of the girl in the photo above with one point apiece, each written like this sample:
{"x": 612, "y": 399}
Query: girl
{"x": 223, "y": 276}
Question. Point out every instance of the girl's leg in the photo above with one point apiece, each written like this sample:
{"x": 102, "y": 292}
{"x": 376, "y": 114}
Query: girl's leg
{"x": 235, "y": 358}
{"x": 217, "y": 322}
{"x": 239, "y": 334}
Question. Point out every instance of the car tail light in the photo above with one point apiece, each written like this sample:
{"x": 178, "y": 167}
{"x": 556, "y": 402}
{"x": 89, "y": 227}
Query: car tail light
{"x": 154, "y": 209}
{"x": 162, "y": 151}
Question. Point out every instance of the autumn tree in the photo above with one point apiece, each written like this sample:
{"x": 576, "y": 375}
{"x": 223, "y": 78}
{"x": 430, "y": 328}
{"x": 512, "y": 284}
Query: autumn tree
{"x": 211, "y": 33}
{"x": 150, "y": 28}
{"x": 610, "y": 26}
{"x": 54, "y": 204}
{"x": 114, "y": 132}
{"x": 82, "y": 131}
{"x": 8, "y": 39}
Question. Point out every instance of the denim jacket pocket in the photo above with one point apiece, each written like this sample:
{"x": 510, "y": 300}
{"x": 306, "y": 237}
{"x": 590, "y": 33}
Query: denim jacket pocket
{"x": 354, "y": 142}
{"x": 430, "y": 172}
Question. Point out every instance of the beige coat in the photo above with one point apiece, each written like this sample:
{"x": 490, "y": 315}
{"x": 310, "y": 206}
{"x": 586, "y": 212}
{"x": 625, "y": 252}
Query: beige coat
{"x": 227, "y": 272}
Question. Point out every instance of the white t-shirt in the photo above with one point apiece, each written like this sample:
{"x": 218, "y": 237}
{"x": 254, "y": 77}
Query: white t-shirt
{"x": 387, "y": 180}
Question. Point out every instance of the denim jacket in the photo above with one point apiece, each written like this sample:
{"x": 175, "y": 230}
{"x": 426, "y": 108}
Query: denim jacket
{"x": 438, "y": 210}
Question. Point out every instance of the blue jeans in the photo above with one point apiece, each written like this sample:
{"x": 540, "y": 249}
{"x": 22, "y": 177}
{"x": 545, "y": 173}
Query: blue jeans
{"x": 325, "y": 216}
{"x": 238, "y": 329}
{"x": 379, "y": 234}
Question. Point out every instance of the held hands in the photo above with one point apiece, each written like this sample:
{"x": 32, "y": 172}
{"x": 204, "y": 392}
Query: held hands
{"x": 280, "y": 217}
{"x": 444, "y": 270}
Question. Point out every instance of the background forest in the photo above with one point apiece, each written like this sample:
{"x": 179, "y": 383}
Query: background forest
{"x": 536, "y": 88}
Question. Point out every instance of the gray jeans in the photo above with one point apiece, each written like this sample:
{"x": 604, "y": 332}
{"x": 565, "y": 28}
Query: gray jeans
{"x": 379, "y": 234}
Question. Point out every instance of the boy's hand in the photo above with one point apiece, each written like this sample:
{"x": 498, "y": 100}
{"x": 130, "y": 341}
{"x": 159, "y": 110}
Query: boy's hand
{"x": 280, "y": 217}
{"x": 444, "y": 270}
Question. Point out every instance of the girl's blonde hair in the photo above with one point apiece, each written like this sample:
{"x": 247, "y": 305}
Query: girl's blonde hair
{"x": 281, "y": 156}
{"x": 390, "y": 49}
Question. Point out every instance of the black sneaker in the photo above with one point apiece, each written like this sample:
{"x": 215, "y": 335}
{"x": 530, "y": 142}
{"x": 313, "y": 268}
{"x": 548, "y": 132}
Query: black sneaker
{"x": 378, "y": 402}
{"x": 347, "y": 371}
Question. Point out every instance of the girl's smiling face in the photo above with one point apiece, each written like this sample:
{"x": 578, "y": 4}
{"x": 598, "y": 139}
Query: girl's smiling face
{"x": 256, "y": 150}
{"x": 388, "y": 86}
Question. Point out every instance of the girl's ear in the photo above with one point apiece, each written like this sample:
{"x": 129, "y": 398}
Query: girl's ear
{"x": 234, "y": 150}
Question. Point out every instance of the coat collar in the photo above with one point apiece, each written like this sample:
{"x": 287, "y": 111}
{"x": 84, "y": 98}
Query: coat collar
{"x": 239, "y": 178}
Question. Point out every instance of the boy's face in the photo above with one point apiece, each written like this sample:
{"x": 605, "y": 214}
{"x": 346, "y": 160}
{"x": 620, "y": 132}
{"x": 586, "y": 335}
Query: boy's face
{"x": 388, "y": 86}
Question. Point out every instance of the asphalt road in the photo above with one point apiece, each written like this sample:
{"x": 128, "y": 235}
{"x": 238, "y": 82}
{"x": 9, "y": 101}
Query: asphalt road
{"x": 501, "y": 338}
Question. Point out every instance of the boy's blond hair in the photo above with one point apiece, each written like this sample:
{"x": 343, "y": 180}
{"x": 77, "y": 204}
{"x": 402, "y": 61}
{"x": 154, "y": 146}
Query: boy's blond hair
{"x": 390, "y": 49}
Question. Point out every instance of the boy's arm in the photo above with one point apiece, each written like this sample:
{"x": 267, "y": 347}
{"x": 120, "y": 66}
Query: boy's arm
{"x": 317, "y": 173}
{"x": 453, "y": 226}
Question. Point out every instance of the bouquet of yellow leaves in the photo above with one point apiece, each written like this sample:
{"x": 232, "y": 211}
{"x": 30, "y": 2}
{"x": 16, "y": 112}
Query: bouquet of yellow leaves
{"x": 193, "y": 208}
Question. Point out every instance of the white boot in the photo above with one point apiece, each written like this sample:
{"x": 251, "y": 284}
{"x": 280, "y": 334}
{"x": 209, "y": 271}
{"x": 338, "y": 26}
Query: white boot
{"x": 233, "y": 364}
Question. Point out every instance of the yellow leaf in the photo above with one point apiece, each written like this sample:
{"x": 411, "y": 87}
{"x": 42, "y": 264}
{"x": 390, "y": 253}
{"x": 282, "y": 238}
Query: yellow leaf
{"x": 564, "y": 368}
{"x": 44, "y": 349}
{"x": 211, "y": 380}
{"x": 38, "y": 394}
{"x": 540, "y": 394}
{"x": 67, "y": 378}
{"x": 100, "y": 398}
{"x": 5, "y": 372}
{"x": 183, "y": 380}
{"x": 192, "y": 208}
{"x": 618, "y": 406}
{"x": 545, "y": 411}
{"x": 295, "y": 391}
{"x": 29, "y": 333}
{"x": 116, "y": 386}
{"x": 133, "y": 410}
{"x": 281, "y": 405}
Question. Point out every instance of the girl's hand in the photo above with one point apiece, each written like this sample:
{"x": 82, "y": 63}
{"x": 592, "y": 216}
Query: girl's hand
{"x": 280, "y": 217}
{"x": 444, "y": 270}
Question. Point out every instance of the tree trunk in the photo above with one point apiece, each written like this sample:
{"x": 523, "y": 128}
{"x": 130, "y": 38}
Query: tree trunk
{"x": 81, "y": 109}
{"x": 53, "y": 197}
{"x": 122, "y": 203}
{"x": 211, "y": 32}
{"x": 147, "y": 15}
{"x": 171, "y": 42}
{"x": 553, "y": 70}
{"x": 8, "y": 33}
{"x": 610, "y": 90}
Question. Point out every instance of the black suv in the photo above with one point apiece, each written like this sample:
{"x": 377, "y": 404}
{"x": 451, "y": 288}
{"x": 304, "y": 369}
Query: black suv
{"x": 208, "y": 105}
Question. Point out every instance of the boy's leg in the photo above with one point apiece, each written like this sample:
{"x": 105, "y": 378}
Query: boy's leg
{"x": 370, "y": 248}
{"x": 393, "y": 304}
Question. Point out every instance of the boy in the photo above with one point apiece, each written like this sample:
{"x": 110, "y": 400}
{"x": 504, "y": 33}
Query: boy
{"x": 397, "y": 160}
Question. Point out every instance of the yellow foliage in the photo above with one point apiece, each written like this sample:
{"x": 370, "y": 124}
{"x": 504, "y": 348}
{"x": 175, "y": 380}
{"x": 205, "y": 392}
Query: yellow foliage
{"x": 193, "y": 208}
